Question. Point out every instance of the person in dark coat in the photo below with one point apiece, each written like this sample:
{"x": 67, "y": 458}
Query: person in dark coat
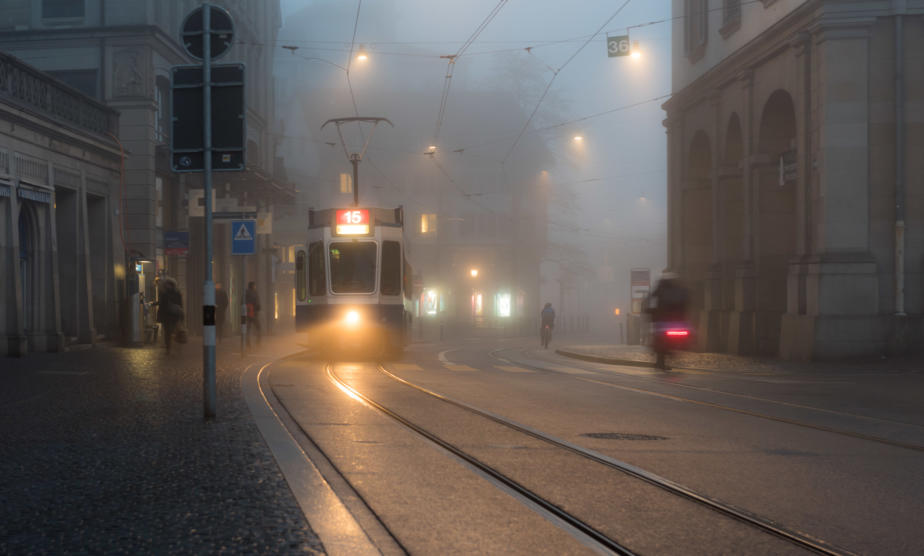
{"x": 169, "y": 309}
{"x": 221, "y": 309}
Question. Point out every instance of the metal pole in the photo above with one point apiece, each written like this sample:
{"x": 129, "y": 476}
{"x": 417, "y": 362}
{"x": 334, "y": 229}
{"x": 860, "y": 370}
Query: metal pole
{"x": 899, "y": 166}
{"x": 355, "y": 160}
{"x": 208, "y": 294}
{"x": 243, "y": 304}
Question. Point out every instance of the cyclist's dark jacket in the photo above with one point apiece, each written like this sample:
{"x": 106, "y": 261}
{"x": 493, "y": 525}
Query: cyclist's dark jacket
{"x": 668, "y": 302}
{"x": 548, "y": 317}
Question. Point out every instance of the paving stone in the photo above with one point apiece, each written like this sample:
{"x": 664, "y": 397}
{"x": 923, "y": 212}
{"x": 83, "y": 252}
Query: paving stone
{"x": 120, "y": 460}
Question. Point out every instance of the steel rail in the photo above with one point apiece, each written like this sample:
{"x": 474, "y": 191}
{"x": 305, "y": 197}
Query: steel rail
{"x": 803, "y": 540}
{"x": 605, "y": 542}
{"x": 722, "y": 407}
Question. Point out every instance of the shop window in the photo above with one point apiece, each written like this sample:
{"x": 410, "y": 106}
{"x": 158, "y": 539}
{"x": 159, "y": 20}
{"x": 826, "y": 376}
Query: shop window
{"x": 300, "y": 276}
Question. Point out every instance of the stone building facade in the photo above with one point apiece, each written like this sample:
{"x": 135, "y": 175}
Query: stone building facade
{"x": 796, "y": 201}
{"x": 60, "y": 258}
{"x": 120, "y": 53}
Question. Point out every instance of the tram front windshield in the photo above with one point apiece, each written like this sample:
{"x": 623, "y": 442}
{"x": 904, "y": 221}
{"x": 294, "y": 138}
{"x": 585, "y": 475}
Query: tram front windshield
{"x": 352, "y": 267}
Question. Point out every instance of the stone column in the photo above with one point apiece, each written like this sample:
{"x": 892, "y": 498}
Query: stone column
{"x": 797, "y": 328}
{"x": 709, "y": 332}
{"x": 87, "y": 331}
{"x": 842, "y": 285}
{"x": 741, "y": 323}
{"x": 17, "y": 344}
{"x": 674, "y": 127}
{"x": 55, "y": 333}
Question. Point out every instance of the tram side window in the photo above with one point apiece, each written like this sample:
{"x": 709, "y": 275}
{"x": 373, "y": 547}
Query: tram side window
{"x": 300, "y": 276}
{"x": 391, "y": 268}
{"x": 316, "y": 282}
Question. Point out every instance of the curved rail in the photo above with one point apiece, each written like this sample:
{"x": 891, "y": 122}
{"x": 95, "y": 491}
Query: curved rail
{"x": 802, "y": 540}
{"x": 604, "y": 542}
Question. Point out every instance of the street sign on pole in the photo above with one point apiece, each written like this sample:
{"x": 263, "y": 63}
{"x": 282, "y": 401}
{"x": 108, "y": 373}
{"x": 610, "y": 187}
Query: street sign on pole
{"x": 198, "y": 36}
{"x": 243, "y": 237}
{"x": 221, "y": 30}
{"x": 228, "y": 115}
{"x": 618, "y": 45}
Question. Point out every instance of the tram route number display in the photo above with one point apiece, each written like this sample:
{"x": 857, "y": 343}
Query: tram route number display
{"x": 618, "y": 46}
{"x": 352, "y": 222}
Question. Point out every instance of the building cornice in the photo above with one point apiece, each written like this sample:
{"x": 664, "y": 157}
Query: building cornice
{"x": 773, "y": 40}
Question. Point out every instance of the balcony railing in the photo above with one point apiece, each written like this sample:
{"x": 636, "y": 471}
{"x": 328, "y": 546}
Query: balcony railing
{"x": 29, "y": 88}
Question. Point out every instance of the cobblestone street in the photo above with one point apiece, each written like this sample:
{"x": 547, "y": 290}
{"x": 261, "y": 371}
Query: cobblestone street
{"x": 105, "y": 450}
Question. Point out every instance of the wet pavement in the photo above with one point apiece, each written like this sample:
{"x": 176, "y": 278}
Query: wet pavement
{"x": 603, "y": 352}
{"x": 106, "y": 450}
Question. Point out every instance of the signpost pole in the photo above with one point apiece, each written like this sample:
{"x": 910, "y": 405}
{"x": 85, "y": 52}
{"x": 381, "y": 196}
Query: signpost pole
{"x": 243, "y": 305}
{"x": 208, "y": 296}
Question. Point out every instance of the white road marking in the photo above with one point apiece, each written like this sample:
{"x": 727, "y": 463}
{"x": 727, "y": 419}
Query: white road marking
{"x": 442, "y": 355}
{"x": 454, "y": 367}
{"x": 512, "y": 369}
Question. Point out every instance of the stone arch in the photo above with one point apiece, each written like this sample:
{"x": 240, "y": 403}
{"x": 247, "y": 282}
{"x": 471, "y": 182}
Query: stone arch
{"x": 776, "y": 217}
{"x": 696, "y": 218}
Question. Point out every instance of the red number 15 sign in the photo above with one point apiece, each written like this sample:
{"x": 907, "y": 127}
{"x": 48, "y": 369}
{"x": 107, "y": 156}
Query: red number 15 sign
{"x": 352, "y": 222}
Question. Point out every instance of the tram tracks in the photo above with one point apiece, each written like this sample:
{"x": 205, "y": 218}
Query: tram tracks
{"x": 750, "y": 413}
{"x": 602, "y": 540}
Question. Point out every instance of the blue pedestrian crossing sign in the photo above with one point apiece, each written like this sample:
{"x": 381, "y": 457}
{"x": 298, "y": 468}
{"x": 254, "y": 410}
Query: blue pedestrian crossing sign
{"x": 243, "y": 237}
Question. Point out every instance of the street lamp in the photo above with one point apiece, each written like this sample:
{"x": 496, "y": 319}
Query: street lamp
{"x": 578, "y": 138}
{"x": 473, "y": 273}
{"x": 361, "y": 55}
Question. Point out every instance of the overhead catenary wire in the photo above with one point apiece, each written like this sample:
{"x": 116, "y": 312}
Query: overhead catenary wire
{"x": 555, "y": 75}
{"x": 451, "y": 64}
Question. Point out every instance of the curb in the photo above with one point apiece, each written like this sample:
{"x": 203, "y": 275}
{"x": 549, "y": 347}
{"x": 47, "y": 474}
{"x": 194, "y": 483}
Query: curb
{"x": 607, "y": 360}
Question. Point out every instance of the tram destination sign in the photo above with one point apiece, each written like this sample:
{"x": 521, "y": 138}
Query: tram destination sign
{"x": 352, "y": 222}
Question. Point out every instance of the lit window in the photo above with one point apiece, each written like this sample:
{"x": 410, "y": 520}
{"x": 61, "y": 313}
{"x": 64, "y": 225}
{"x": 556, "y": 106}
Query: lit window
{"x": 427, "y": 223}
{"x": 502, "y": 303}
{"x": 346, "y": 183}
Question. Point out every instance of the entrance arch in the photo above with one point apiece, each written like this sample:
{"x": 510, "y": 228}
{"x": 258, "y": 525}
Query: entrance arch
{"x": 776, "y": 222}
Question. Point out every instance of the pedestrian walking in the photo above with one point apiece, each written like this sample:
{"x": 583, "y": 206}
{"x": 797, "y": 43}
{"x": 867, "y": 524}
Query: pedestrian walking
{"x": 252, "y": 300}
{"x": 221, "y": 309}
{"x": 169, "y": 310}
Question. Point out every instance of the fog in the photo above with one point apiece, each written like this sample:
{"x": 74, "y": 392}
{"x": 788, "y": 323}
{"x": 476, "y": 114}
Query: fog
{"x": 604, "y": 196}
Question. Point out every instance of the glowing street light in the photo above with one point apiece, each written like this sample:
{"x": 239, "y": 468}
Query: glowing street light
{"x": 578, "y": 138}
{"x": 636, "y": 51}
{"x": 361, "y": 55}
{"x": 473, "y": 273}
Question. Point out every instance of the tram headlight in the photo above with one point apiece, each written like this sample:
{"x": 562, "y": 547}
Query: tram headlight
{"x": 352, "y": 318}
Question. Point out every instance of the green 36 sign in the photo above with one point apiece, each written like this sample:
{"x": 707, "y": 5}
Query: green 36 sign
{"x": 618, "y": 46}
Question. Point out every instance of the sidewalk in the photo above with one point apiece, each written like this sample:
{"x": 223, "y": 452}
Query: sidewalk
{"x": 620, "y": 354}
{"x": 105, "y": 450}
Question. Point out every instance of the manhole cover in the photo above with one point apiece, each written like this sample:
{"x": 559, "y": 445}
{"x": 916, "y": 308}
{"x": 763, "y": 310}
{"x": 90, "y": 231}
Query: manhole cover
{"x": 623, "y": 436}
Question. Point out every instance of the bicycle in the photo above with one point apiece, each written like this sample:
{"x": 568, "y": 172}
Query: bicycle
{"x": 546, "y": 335}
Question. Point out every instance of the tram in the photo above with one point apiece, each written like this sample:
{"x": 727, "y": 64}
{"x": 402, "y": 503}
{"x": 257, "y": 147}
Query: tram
{"x": 353, "y": 283}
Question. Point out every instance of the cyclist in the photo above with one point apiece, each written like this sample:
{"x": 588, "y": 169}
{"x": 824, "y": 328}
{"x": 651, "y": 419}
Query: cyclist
{"x": 548, "y": 323}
